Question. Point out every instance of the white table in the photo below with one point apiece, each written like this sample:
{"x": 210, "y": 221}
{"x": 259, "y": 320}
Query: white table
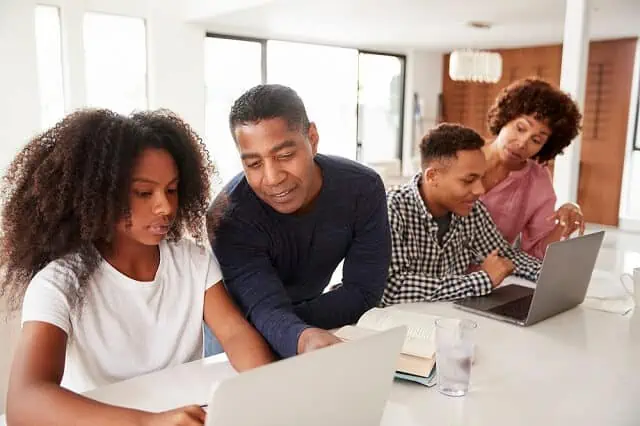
{"x": 580, "y": 367}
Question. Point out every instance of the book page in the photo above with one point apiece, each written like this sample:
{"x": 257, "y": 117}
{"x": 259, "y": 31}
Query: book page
{"x": 407, "y": 363}
{"x": 420, "y": 340}
{"x": 350, "y": 332}
{"x": 417, "y": 366}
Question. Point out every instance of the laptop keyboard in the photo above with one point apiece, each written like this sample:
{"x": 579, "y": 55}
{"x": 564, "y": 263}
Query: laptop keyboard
{"x": 518, "y": 309}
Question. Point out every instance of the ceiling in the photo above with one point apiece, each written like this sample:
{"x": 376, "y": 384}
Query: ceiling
{"x": 405, "y": 24}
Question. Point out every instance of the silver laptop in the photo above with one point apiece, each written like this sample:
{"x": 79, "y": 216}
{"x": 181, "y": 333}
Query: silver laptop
{"x": 562, "y": 285}
{"x": 346, "y": 384}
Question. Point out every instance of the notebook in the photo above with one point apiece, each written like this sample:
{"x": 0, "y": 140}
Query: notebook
{"x": 417, "y": 358}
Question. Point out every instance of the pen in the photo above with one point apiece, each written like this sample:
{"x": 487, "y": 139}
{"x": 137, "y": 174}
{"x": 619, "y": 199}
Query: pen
{"x": 474, "y": 252}
{"x": 479, "y": 256}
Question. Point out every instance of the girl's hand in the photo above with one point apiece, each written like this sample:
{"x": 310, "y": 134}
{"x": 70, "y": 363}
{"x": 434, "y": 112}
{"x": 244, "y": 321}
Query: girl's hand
{"x": 192, "y": 415}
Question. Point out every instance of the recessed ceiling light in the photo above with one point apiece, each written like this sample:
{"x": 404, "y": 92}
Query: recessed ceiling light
{"x": 479, "y": 25}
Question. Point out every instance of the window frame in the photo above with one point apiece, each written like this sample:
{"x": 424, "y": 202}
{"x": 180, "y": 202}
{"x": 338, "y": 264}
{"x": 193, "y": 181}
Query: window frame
{"x": 403, "y": 77}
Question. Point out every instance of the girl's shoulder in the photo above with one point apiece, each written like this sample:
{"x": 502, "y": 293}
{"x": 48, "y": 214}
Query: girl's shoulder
{"x": 59, "y": 274}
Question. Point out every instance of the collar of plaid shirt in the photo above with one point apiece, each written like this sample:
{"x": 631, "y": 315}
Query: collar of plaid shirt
{"x": 425, "y": 214}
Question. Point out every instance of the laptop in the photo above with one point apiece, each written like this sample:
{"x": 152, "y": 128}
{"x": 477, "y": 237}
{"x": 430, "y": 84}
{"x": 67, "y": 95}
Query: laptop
{"x": 346, "y": 384}
{"x": 562, "y": 285}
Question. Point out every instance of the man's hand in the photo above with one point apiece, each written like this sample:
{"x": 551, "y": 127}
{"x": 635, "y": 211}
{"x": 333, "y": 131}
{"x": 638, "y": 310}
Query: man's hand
{"x": 315, "y": 338}
{"x": 497, "y": 267}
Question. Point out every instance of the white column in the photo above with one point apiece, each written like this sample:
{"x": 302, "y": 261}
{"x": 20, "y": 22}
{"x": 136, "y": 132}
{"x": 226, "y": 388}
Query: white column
{"x": 575, "y": 52}
{"x": 175, "y": 52}
{"x": 72, "y": 19}
{"x": 408, "y": 134}
{"x": 629, "y": 215}
{"x": 19, "y": 94}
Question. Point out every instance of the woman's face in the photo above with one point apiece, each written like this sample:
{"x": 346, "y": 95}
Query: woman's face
{"x": 153, "y": 200}
{"x": 521, "y": 139}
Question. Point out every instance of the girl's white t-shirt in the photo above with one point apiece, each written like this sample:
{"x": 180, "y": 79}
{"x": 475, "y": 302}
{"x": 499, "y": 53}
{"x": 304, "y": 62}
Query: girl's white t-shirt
{"x": 126, "y": 327}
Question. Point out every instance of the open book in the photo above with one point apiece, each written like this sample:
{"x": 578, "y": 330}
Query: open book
{"x": 417, "y": 360}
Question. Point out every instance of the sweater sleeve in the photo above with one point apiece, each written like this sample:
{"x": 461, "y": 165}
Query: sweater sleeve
{"x": 242, "y": 250}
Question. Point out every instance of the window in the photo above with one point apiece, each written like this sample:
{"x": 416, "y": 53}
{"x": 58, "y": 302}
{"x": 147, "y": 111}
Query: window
{"x": 380, "y": 106}
{"x": 326, "y": 78}
{"x": 231, "y": 68}
{"x": 115, "y": 62}
{"x": 49, "y": 63}
{"x": 356, "y": 98}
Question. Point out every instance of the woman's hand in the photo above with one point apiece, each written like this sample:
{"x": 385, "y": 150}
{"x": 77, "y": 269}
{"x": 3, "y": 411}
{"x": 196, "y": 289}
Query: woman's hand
{"x": 569, "y": 217}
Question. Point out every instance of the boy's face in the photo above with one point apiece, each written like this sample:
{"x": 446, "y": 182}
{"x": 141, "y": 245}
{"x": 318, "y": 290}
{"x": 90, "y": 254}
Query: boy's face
{"x": 455, "y": 184}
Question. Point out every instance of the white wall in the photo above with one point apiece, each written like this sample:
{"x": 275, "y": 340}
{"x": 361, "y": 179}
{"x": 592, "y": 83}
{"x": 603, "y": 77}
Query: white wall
{"x": 424, "y": 76}
{"x": 19, "y": 102}
{"x": 175, "y": 58}
{"x": 176, "y": 63}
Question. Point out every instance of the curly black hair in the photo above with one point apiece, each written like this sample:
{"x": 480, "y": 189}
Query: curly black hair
{"x": 536, "y": 97}
{"x": 65, "y": 191}
{"x": 445, "y": 140}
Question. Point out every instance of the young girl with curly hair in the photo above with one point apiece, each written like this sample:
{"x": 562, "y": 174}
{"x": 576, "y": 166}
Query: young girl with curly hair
{"x": 102, "y": 220}
{"x": 532, "y": 122}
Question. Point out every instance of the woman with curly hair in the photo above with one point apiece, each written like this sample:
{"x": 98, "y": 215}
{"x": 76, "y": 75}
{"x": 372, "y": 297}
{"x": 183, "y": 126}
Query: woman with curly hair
{"x": 532, "y": 123}
{"x": 94, "y": 245}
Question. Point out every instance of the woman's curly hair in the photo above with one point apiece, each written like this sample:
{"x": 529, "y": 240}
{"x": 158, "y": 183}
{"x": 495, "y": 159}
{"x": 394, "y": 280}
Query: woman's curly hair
{"x": 536, "y": 97}
{"x": 65, "y": 191}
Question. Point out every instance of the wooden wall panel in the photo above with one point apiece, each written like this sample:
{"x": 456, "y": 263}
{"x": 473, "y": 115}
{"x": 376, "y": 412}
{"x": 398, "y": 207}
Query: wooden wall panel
{"x": 606, "y": 110}
{"x": 606, "y": 113}
{"x": 454, "y": 97}
{"x": 468, "y": 103}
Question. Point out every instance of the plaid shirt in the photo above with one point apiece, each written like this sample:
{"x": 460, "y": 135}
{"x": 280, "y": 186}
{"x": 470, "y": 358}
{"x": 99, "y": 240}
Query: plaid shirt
{"x": 423, "y": 270}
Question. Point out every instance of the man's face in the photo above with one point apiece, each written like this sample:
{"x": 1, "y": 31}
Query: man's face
{"x": 278, "y": 163}
{"x": 455, "y": 184}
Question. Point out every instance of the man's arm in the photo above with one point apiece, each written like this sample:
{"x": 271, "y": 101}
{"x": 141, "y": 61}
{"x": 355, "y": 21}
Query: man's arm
{"x": 365, "y": 266}
{"x": 406, "y": 286}
{"x": 242, "y": 251}
{"x": 489, "y": 239}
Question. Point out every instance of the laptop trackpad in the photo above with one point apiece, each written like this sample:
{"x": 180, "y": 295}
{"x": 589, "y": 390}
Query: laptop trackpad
{"x": 497, "y": 297}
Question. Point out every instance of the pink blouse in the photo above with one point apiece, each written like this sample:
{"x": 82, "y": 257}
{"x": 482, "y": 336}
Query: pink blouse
{"x": 522, "y": 204}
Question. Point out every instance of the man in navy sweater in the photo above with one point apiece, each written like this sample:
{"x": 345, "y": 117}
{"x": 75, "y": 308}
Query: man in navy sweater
{"x": 290, "y": 219}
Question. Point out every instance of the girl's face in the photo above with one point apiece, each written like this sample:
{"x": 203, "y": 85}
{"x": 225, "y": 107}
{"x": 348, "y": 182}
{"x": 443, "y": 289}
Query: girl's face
{"x": 521, "y": 139}
{"x": 153, "y": 200}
